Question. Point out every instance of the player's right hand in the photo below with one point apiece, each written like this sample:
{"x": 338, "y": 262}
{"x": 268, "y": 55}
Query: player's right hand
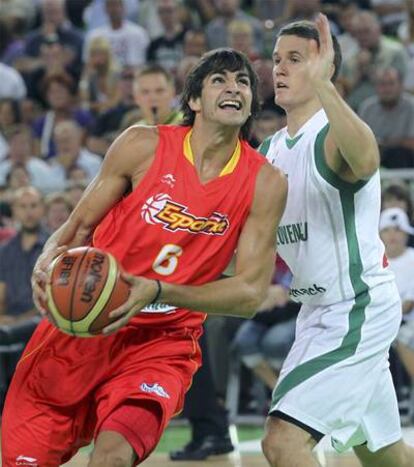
{"x": 40, "y": 277}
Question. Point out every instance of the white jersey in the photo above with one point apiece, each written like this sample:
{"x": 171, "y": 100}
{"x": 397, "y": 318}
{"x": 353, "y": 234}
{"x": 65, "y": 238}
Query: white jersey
{"x": 328, "y": 235}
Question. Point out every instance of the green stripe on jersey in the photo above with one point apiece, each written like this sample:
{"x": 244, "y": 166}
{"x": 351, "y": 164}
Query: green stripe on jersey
{"x": 265, "y": 145}
{"x": 356, "y": 316}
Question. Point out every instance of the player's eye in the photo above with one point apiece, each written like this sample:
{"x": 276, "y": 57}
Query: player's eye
{"x": 217, "y": 79}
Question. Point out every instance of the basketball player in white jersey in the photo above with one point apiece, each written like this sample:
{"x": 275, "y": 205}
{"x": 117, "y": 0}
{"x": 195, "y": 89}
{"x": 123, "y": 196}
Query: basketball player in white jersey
{"x": 335, "y": 380}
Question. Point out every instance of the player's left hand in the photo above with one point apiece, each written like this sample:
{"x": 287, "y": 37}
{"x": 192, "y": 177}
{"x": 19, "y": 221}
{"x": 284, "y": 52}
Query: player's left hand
{"x": 320, "y": 63}
{"x": 142, "y": 293}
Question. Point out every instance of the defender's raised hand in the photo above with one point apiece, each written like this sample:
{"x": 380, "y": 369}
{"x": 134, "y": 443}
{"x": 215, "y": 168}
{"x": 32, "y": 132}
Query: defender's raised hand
{"x": 321, "y": 59}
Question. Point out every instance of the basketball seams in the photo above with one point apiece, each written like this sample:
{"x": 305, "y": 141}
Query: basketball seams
{"x": 73, "y": 291}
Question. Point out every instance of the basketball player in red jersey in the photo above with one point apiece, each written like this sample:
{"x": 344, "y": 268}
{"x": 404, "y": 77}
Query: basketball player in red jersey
{"x": 172, "y": 204}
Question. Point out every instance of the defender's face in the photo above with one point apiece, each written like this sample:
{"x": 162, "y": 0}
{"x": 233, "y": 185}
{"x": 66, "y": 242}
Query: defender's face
{"x": 290, "y": 81}
{"x": 226, "y": 98}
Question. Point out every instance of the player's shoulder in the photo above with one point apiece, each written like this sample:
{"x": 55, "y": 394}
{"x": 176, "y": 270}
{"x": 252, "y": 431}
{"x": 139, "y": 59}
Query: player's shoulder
{"x": 269, "y": 142}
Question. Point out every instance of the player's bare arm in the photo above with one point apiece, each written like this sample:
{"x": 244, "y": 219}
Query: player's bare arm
{"x": 242, "y": 294}
{"x": 124, "y": 165}
{"x": 350, "y": 147}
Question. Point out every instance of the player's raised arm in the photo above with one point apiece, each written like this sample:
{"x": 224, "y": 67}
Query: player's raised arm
{"x": 349, "y": 139}
{"x": 242, "y": 294}
{"x": 125, "y": 163}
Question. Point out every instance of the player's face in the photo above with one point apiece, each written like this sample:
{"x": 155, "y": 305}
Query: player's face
{"x": 226, "y": 98}
{"x": 290, "y": 81}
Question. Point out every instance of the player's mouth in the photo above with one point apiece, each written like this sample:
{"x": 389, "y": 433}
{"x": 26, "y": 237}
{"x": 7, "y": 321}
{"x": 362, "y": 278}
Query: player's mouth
{"x": 230, "y": 104}
{"x": 280, "y": 85}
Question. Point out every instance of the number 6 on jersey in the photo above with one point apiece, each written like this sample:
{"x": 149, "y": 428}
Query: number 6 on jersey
{"x": 167, "y": 260}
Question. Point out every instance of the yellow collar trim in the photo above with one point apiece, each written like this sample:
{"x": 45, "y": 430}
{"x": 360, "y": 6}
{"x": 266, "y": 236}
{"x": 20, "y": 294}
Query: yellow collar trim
{"x": 231, "y": 164}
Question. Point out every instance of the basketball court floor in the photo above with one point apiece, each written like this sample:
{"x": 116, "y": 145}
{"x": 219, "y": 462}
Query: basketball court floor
{"x": 247, "y": 455}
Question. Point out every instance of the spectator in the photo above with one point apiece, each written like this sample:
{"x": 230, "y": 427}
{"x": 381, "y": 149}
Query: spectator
{"x": 195, "y": 43}
{"x": 58, "y": 209}
{"x": 9, "y": 116}
{"x": 20, "y": 143}
{"x": 263, "y": 342}
{"x": 375, "y": 52}
{"x": 397, "y": 196}
{"x": 7, "y": 229}
{"x": 167, "y": 50}
{"x": 60, "y": 96}
{"x": 11, "y": 83}
{"x": 98, "y": 82}
{"x": 391, "y": 14}
{"x": 155, "y": 96}
{"x": 184, "y": 67}
{"x": 109, "y": 124}
{"x": 74, "y": 192}
{"x": 17, "y": 257}
{"x": 70, "y": 153}
{"x": 229, "y": 10}
{"x": 390, "y": 114}
{"x": 53, "y": 21}
{"x": 95, "y": 15}
{"x": 52, "y": 60}
{"x": 265, "y": 124}
{"x": 17, "y": 177}
{"x": 129, "y": 41}
{"x": 346, "y": 13}
{"x": 241, "y": 38}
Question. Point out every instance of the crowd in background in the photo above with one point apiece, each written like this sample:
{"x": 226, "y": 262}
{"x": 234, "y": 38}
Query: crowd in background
{"x": 75, "y": 73}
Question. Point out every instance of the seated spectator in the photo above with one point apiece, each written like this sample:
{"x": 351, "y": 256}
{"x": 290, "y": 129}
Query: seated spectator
{"x": 265, "y": 124}
{"x": 241, "y": 38}
{"x": 167, "y": 50}
{"x": 217, "y": 32}
{"x": 9, "y": 116}
{"x": 195, "y": 43}
{"x": 70, "y": 152}
{"x": 129, "y": 41}
{"x": 95, "y": 15}
{"x": 375, "y": 52}
{"x": 53, "y": 21}
{"x": 52, "y": 61}
{"x": 98, "y": 82}
{"x": 11, "y": 83}
{"x": 154, "y": 93}
{"x": 394, "y": 231}
{"x": 398, "y": 196}
{"x": 7, "y": 229}
{"x": 391, "y": 14}
{"x": 20, "y": 153}
{"x": 77, "y": 174}
{"x": 60, "y": 96}
{"x": 18, "y": 256}
{"x": 390, "y": 114}
{"x": 109, "y": 124}
{"x": 58, "y": 209}
{"x": 346, "y": 12}
{"x": 74, "y": 191}
{"x": 263, "y": 342}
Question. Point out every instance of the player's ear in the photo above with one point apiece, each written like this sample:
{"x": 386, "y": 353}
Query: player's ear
{"x": 195, "y": 104}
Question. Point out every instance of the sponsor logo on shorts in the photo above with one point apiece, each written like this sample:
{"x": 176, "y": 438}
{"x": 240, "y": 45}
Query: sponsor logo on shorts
{"x": 161, "y": 209}
{"x": 26, "y": 460}
{"x": 158, "y": 308}
{"x": 155, "y": 389}
{"x": 314, "y": 290}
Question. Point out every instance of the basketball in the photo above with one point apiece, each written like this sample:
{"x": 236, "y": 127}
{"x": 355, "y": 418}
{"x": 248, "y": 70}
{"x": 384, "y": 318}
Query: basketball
{"x": 85, "y": 286}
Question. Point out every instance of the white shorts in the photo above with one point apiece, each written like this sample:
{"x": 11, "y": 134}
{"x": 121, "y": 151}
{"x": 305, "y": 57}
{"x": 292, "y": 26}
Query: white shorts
{"x": 336, "y": 377}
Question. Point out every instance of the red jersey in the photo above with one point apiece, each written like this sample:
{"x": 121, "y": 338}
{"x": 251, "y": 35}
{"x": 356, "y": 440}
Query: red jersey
{"x": 176, "y": 229}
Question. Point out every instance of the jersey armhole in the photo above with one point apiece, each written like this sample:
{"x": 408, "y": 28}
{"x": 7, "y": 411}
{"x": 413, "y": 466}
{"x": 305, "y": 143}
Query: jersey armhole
{"x": 326, "y": 172}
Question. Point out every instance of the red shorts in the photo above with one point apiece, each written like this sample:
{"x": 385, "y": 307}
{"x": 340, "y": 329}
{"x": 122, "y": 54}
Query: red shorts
{"x": 64, "y": 387}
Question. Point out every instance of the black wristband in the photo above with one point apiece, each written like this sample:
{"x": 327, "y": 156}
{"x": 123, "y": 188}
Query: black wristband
{"x": 159, "y": 290}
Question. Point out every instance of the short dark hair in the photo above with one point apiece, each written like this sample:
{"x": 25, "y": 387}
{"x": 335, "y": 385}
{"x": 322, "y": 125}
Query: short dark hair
{"x": 154, "y": 69}
{"x": 215, "y": 61}
{"x": 308, "y": 30}
{"x": 401, "y": 193}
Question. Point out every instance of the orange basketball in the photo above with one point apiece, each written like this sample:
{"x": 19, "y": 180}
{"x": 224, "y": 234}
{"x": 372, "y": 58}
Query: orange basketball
{"x": 85, "y": 286}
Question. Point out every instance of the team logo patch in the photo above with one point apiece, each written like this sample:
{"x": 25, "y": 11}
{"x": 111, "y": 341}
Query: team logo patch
{"x": 162, "y": 209}
{"x": 155, "y": 389}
